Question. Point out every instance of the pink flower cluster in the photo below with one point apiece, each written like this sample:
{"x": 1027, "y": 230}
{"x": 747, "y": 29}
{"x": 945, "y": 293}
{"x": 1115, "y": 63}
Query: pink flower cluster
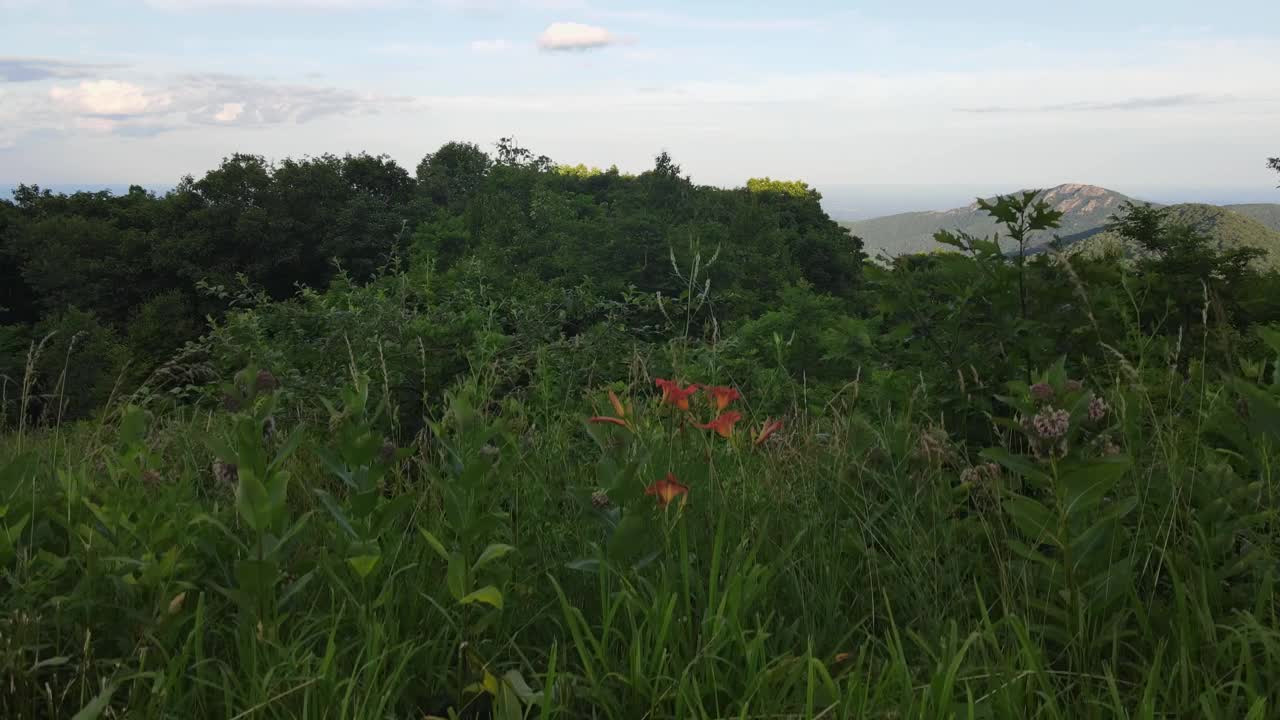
{"x": 1097, "y": 408}
{"x": 1051, "y": 423}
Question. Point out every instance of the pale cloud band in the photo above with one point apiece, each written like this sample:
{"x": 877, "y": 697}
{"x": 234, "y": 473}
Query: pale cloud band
{"x": 144, "y": 108}
{"x": 575, "y": 36}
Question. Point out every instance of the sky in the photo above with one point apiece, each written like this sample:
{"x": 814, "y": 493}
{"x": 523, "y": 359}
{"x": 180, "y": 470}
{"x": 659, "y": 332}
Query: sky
{"x": 1135, "y": 95}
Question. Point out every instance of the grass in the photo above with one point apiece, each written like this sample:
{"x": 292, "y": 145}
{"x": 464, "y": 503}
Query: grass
{"x": 508, "y": 563}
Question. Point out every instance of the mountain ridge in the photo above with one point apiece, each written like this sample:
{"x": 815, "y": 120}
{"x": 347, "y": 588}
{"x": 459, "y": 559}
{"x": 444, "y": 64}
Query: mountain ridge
{"x": 1086, "y": 209}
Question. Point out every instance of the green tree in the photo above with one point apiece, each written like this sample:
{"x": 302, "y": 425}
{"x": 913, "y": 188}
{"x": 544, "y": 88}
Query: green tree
{"x": 449, "y": 176}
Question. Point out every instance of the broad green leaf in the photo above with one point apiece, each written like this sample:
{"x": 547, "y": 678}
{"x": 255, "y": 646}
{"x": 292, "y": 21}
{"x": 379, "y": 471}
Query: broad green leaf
{"x": 96, "y": 706}
{"x": 364, "y": 564}
{"x": 1085, "y": 484}
{"x": 457, "y": 576}
{"x": 1025, "y": 552}
{"x": 491, "y": 553}
{"x": 1032, "y": 518}
{"x": 290, "y": 445}
{"x": 1015, "y": 463}
{"x": 252, "y": 501}
{"x": 516, "y": 681}
{"x": 1270, "y": 336}
{"x": 340, "y": 517}
{"x": 488, "y": 595}
{"x": 435, "y": 544}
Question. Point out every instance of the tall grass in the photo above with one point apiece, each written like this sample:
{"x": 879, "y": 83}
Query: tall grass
{"x": 277, "y": 559}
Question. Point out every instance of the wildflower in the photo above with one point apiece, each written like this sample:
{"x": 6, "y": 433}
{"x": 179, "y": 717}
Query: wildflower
{"x": 600, "y": 499}
{"x": 667, "y": 489}
{"x": 1042, "y": 391}
{"x": 1051, "y": 423}
{"x": 1109, "y": 448}
{"x": 933, "y": 446}
{"x": 226, "y": 473}
{"x": 723, "y": 425}
{"x": 1097, "y": 408}
{"x": 770, "y": 427}
{"x": 723, "y": 395}
{"x": 673, "y": 394}
{"x": 979, "y": 474}
{"x": 619, "y": 408}
{"x": 265, "y": 381}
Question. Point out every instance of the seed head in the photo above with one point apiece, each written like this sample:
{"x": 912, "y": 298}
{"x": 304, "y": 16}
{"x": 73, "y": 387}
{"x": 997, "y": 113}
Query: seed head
{"x": 600, "y": 499}
{"x": 1042, "y": 391}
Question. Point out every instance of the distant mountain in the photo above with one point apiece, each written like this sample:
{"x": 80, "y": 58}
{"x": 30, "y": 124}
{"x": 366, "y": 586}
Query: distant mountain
{"x": 1086, "y": 209}
{"x": 1266, "y": 213}
{"x": 1227, "y": 225}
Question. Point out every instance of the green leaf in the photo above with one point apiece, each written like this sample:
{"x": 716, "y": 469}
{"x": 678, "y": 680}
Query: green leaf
{"x": 489, "y": 595}
{"x": 1270, "y": 336}
{"x": 493, "y": 552}
{"x": 1033, "y": 519}
{"x": 252, "y": 501}
{"x": 97, "y": 705}
{"x": 364, "y": 564}
{"x": 435, "y": 544}
{"x": 290, "y": 445}
{"x": 332, "y": 506}
{"x": 1015, "y": 463}
{"x": 1085, "y": 484}
{"x": 457, "y": 576}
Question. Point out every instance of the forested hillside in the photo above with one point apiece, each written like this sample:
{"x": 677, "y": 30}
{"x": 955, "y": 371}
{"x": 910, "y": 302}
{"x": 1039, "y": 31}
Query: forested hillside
{"x": 134, "y": 277}
{"x": 500, "y": 438}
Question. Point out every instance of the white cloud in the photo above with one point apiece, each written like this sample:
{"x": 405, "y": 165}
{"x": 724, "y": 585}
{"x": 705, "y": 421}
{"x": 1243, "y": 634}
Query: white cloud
{"x": 490, "y": 46}
{"x": 109, "y": 97}
{"x": 574, "y": 36}
{"x": 229, "y": 112}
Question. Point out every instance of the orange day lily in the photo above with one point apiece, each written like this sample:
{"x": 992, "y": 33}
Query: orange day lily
{"x": 673, "y": 394}
{"x": 770, "y": 427}
{"x": 723, "y": 424}
{"x": 618, "y": 408}
{"x": 723, "y": 395}
{"x": 667, "y": 489}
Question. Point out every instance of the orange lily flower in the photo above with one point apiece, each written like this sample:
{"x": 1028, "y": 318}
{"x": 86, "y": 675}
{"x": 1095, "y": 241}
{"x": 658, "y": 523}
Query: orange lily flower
{"x": 770, "y": 427}
{"x": 723, "y": 396}
{"x": 619, "y": 408}
{"x": 673, "y": 394}
{"x": 667, "y": 489}
{"x": 723, "y": 425}
{"x": 617, "y": 405}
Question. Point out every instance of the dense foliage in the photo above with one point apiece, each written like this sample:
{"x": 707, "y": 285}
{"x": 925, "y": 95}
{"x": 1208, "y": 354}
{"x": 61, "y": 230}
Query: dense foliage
{"x": 325, "y": 438}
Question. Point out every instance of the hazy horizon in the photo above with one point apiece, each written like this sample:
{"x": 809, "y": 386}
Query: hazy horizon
{"x": 855, "y": 201}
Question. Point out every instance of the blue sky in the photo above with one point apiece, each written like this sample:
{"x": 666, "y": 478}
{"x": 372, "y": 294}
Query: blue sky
{"x": 1128, "y": 93}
